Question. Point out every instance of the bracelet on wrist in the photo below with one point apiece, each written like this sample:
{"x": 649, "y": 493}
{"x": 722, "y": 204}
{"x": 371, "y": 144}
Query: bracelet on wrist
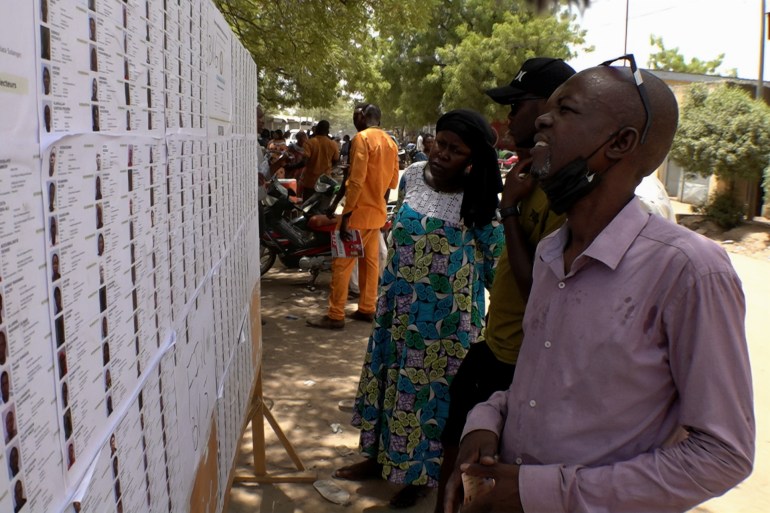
{"x": 503, "y": 213}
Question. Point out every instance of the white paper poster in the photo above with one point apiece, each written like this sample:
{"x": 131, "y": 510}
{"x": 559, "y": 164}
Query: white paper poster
{"x": 127, "y": 228}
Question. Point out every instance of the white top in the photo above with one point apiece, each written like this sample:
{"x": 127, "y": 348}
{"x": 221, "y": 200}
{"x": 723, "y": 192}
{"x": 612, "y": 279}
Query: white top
{"x": 427, "y": 201}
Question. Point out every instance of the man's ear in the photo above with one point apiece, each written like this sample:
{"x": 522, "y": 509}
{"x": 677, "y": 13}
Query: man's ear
{"x": 624, "y": 143}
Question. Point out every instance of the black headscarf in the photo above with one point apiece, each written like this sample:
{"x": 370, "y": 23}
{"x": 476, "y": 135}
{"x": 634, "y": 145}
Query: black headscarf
{"x": 483, "y": 184}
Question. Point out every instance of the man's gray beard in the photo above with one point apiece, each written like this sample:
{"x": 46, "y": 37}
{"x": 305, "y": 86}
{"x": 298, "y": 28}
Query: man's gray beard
{"x": 538, "y": 173}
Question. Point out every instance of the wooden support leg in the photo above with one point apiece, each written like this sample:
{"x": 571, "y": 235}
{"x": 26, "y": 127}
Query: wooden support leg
{"x": 258, "y": 414}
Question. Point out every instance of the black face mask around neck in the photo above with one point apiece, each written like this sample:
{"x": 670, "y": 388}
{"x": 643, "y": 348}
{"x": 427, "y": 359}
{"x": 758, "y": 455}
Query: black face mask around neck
{"x": 575, "y": 180}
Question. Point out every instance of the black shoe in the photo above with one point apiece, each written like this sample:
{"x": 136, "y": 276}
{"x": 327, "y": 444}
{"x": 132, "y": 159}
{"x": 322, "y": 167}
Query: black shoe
{"x": 326, "y": 323}
{"x": 358, "y": 315}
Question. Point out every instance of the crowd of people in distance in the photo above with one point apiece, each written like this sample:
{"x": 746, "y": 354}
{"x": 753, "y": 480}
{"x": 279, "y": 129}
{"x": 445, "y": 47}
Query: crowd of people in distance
{"x": 610, "y": 370}
{"x": 305, "y": 158}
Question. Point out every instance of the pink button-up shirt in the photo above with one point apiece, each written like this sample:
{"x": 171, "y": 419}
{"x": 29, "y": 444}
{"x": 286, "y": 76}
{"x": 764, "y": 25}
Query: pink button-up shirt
{"x": 632, "y": 391}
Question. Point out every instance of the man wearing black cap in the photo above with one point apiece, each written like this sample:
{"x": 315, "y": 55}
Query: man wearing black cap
{"x": 489, "y": 364}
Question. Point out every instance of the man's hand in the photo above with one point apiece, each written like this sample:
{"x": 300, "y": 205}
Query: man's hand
{"x": 518, "y": 187}
{"x": 504, "y": 496}
{"x": 476, "y": 447}
{"x": 344, "y": 235}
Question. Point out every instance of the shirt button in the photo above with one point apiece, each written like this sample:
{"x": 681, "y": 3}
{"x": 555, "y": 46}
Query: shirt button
{"x": 547, "y": 343}
{"x": 519, "y": 461}
{"x": 562, "y": 285}
{"x": 532, "y": 403}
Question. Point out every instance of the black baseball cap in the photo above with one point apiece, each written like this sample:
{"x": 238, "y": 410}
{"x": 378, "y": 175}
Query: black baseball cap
{"x": 537, "y": 78}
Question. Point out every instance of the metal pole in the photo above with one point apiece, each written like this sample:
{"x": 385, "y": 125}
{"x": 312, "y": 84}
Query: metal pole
{"x": 625, "y": 37}
{"x": 760, "y": 79}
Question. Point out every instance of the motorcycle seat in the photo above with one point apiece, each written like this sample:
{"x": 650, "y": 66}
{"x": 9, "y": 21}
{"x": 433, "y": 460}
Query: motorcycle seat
{"x": 321, "y": 223}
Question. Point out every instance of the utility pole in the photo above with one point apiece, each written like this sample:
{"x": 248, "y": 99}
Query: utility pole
{"x": 760, "y": 79}
{"x": 625, "y": 37}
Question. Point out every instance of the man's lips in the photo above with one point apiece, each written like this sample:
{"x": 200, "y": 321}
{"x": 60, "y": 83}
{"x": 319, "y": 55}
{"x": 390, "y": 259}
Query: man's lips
{"x": 540, "y": 146}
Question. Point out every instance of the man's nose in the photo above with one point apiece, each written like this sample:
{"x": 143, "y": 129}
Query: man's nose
{"x": 544, "y": 120}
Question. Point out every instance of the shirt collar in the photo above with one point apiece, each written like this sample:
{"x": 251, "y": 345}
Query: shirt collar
{"x": 611, "y": 243}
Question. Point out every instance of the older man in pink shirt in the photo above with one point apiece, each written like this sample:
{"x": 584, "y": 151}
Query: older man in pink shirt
{"x": 632, "y": 391}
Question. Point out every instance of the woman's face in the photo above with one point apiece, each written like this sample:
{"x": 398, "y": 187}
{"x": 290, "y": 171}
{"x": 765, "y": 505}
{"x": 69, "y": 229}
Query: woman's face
{"x": 449, "y": 155}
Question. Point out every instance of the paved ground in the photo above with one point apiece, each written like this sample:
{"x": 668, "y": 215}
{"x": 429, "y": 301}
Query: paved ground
{"x": 307, "y": 372}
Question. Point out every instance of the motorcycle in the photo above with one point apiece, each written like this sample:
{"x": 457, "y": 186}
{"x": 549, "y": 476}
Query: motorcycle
{"x": 297, "y": 235}
{"x": 506, "y": 160}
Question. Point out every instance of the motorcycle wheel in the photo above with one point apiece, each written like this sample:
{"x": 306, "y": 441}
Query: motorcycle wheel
{"x": 266, "y": 259}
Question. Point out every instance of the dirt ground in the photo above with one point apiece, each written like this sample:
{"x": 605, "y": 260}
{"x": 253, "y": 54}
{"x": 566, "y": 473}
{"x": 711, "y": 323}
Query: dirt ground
{"x": 309, "y": 372}
{"x": 750, "y": 238}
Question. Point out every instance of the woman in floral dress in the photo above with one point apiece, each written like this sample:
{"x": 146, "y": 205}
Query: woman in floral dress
{"x": 442, "y": 252}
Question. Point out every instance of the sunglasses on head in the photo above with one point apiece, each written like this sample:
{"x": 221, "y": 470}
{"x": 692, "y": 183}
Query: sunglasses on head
{"x": 639, "y": 87}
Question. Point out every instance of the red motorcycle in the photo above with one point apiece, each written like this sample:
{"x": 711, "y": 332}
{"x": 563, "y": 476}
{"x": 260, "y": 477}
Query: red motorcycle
{"x": 506, "y": 159}
{"x": 299, "y": 235}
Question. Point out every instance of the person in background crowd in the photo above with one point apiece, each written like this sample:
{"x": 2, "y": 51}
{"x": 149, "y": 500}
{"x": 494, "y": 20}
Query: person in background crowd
{"x": 345, "y": 149}
{"x": 265, "y": 171}
{"x": 633, "y": 386}
{"x": 297, "y": 159}
{"x": 264, "y": 137}
{"x": 322, "y": 154}
{"x": 427, "y": 143}
{"x": 276, "y": 150}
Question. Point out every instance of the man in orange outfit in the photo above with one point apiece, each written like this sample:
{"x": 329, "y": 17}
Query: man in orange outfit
{"x": 322, "y": 154}
{"x": 373, "y": 170}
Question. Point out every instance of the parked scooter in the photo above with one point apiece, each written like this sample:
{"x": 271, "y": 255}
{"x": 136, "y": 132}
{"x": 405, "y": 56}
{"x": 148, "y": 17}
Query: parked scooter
{"x": 506, "y": 160}
{"x": 298, "y": 235}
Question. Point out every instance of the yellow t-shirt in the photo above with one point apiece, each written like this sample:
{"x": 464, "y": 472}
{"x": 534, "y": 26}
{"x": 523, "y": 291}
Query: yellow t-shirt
{"x": 321, "y": 152}
{"x": 504, "y": 332}
{"x": 373, "y": 170}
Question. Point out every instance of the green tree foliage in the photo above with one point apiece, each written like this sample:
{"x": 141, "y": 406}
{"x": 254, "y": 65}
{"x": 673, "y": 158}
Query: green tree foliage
{"x": 669, "y": 59}
{"x": 339, "y": 115}
{"x": 724, "y": 131}
{"x": 415, "y": 59}
{"x": 543, "y": 5}
{"x": 306, "y": 49}
{"x": 465, "y": 48}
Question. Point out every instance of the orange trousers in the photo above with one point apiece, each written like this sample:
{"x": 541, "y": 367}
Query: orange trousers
{"x": 368, "y": 277}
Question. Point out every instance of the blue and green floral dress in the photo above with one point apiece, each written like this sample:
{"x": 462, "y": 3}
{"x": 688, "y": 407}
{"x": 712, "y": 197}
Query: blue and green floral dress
{"x": 430, "y": 308}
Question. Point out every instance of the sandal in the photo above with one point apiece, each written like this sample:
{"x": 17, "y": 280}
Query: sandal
{"x": 407, "y": 496}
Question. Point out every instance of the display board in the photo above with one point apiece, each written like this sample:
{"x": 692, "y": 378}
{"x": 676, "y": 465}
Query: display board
{"x": 128, "y": 235}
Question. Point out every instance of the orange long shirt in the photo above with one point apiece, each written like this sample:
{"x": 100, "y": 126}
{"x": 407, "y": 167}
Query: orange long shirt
{"x": 373, "y": 170}
{"x": 321, "y": 152}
